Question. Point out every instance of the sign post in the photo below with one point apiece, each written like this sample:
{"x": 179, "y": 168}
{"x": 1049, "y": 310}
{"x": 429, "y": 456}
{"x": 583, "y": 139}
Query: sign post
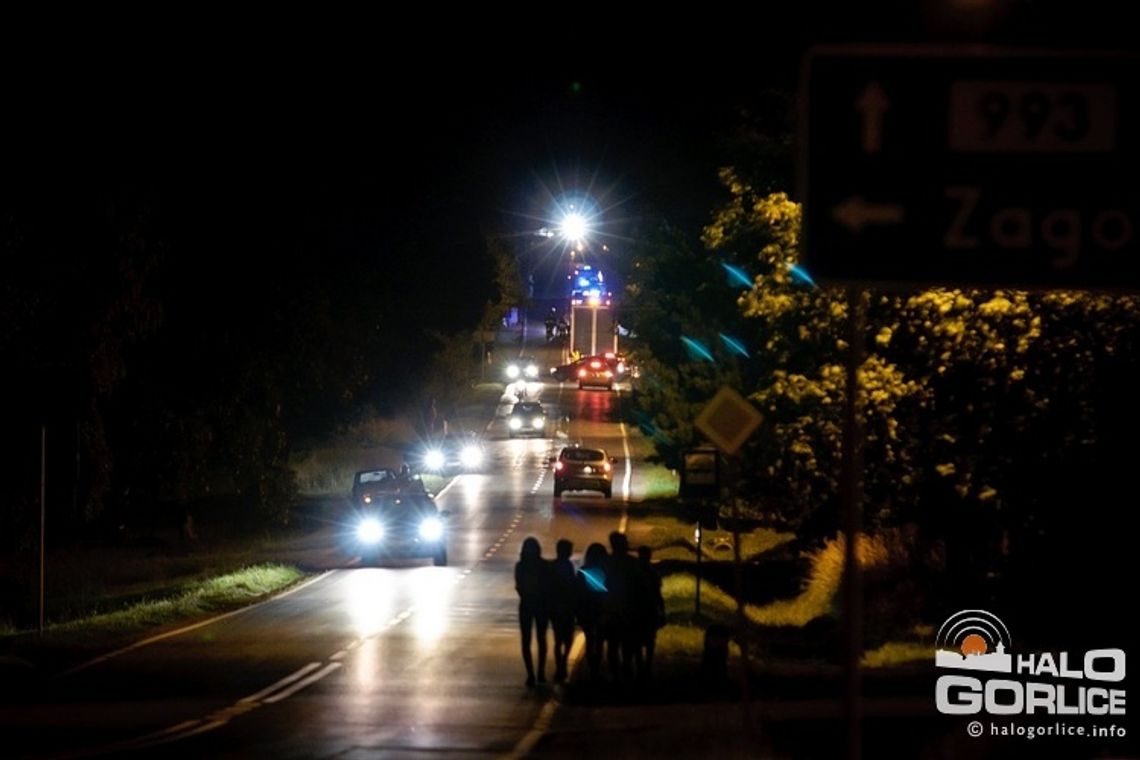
{"x": 935, "y": 166}
{"x": 728, "y": 420}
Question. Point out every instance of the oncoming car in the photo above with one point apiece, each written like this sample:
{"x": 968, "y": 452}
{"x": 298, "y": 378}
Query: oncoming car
{"x": 580, "y": 469}
{"x": 454, "y": 452}
{"x": 370, "y": 485}
{"x": 405, "y": 525}
{"x": 523, "y": 368}
{"x": 526, "y": 418}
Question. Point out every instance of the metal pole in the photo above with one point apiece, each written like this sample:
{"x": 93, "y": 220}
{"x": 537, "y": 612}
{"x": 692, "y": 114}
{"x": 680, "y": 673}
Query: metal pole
{"x": 738, "y": 578}
{"x": 43, "y": 511}
{"x": 852, "y": 527}
{"x": 698, "y": 611}
{"x": 573, "y": 342}
{"x": 594, "y": 331}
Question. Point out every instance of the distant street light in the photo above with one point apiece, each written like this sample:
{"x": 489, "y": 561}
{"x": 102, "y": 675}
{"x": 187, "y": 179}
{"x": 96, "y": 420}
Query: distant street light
{"x": 574, "y": 227}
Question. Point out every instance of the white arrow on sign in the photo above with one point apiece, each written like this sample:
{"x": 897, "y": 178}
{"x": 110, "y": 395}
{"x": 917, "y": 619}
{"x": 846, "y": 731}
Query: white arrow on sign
{"x": 871, "y": 104}
{"x": 856, "y": 213}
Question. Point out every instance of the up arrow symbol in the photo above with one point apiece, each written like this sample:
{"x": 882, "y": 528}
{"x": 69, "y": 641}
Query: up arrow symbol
{"x": 871, "y": 104}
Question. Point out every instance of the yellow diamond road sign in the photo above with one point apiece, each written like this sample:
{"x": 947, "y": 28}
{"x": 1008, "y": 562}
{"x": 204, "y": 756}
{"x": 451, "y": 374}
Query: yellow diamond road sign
{"x": 728, "y": 420}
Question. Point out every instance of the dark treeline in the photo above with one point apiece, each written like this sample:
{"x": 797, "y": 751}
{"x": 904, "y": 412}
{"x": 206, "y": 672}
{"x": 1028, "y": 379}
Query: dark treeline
{"x": 180, "y": 329}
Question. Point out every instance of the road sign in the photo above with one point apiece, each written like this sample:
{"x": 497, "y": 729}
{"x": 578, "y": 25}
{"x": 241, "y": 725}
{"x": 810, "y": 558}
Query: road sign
{"x": 700, "y": 474}
{"x": 728, "y": 420}
{"x": 990, "y": 167}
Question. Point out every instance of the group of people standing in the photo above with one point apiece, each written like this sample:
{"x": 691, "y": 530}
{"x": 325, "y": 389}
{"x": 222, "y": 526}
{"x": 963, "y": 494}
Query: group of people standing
{"x": 614, "y": 598}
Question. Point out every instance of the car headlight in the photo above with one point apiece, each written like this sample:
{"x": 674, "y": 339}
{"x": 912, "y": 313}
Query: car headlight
{"x": 434, "y": 460}
{"x": 515, "y": 423}
{"x": 431, "y": 528}
{"x": 539, "y": 422}
{"x": 370, "y": 530}
{"x": 367, "y": 498}
{"x": 532, "y": 370}
{"x": 471, "y": 456}
{"x": 512, "y": 372}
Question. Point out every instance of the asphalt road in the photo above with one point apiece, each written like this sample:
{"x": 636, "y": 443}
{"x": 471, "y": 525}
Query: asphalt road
{"x": 400, "y": 660}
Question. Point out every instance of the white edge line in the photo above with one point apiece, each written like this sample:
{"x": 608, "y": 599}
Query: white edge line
{"x": 187, "y": 629}
{"x": 625, "y": 481}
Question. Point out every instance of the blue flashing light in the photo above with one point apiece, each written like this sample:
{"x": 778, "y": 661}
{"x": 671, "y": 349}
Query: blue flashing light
{"x": 734, "y": 344}
{"x": 737, "y": 275}
{"x": 801, "y": 274}
{"x": 697, "y": 349}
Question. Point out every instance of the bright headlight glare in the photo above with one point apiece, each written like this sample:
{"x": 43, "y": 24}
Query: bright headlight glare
{"x": 539, "y": 422}
{"x": 531, "y": 370}
{"x": 515, "y": 423}
{"x": 512, "y": 372}
{"x": 471, "y": 456}
{"x": 434, "y": 459}
{"x": 370, "y": 530}
{"x": 431, "y": 528}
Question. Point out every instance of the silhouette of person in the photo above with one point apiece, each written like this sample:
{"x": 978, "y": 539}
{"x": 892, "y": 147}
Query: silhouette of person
{"x": 650, "y": 610}
{"x": 532, "y": 585}
{"x": 550, "y": 322}
{"x": 590, "y": 590}
{"x": 562, "y": 605}
{"x": 621, "y": 572}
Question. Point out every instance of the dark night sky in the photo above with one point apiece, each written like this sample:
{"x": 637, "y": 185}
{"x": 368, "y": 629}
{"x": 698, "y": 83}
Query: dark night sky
{"x": 390, "y": 143}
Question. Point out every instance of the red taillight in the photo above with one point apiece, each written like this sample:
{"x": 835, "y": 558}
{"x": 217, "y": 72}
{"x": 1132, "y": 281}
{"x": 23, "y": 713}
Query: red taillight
{"x": 595, "y": 365}
{"x": 607, "y": 467}
{"x": 609, "y": 374}
{"x": 558, "y": 465}
{"x": 581, "y": 373}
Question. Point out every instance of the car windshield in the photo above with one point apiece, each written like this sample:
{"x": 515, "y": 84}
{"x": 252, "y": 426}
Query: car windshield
{"x": 527, "y": 408}
{"x": 582, "y": 455}
{"x": 374, "y": 476}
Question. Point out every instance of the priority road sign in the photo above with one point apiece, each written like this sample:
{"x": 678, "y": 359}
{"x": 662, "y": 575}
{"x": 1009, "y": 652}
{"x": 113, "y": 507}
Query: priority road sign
{"x": 728, "y": 420}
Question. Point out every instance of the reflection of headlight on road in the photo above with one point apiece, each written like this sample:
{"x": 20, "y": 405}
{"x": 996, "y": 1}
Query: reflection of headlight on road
{"x": 431, "y": 528}
{"x": 539, "y": 422}
{"x": 532, "y": 370}
{"x": 471, "y": 456}
{"x": 512, "y": 372}
{"x": 370, "y": 530}
{"x": 433, "y": 460}
{"x": 515, "y": 423}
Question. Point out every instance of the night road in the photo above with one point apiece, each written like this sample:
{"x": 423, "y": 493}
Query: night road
{"x": 397, "y": 659}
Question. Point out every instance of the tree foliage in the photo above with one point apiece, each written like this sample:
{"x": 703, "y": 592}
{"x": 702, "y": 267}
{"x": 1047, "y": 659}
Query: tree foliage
{"x": 977, "y": 406}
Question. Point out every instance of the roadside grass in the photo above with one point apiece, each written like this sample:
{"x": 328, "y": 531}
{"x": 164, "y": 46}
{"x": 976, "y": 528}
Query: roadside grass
{"x": 672, "y": 538}
{"x": 818, "y": 598}
{"x": 209, "y": 596}
{"x": 895, "y": 653}
{"x": 657, "y": 481}
{"x": 191, "y": 601}
{"x": 328, "y": 470}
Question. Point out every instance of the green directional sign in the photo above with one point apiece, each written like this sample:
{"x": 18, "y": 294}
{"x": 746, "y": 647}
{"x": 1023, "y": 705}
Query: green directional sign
{"x": 990, "y": 167}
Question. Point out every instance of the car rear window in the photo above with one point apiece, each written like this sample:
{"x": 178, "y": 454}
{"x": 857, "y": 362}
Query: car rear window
{"x": 582, "y": 455}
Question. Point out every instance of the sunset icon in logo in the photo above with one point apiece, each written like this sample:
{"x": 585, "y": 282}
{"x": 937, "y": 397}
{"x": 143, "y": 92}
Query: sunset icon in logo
{"x": 973, "y": 640}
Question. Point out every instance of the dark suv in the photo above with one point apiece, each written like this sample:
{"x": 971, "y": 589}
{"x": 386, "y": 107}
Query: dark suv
{"x": 582, "y": 469}
{"x": 404, "y": 525}
{"x": 369, "y": 485}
